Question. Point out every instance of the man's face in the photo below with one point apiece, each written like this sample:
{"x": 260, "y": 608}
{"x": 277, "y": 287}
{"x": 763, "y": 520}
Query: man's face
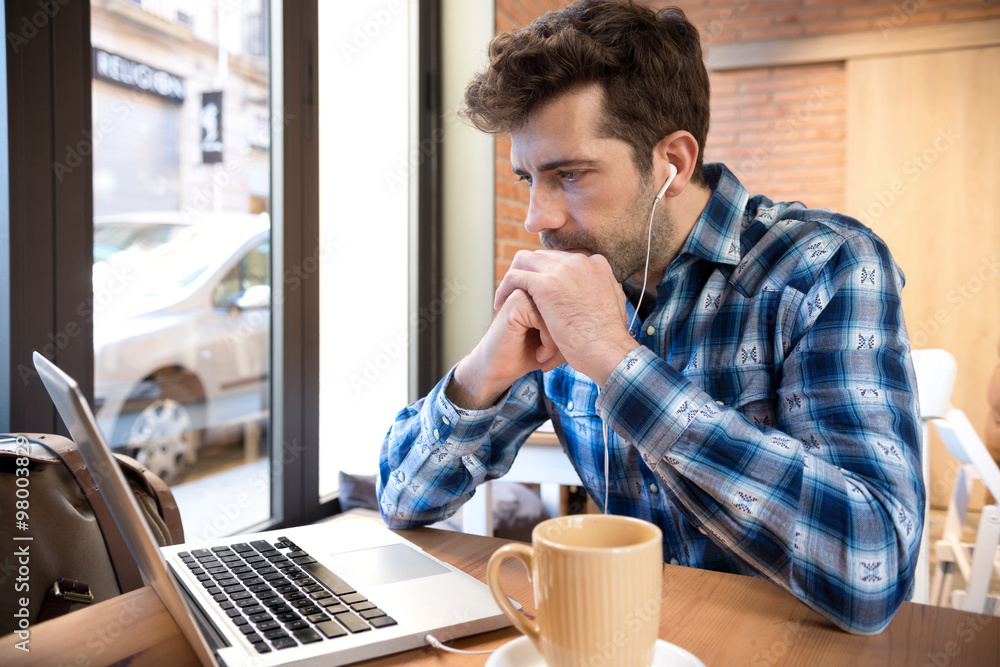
{"x": 586, "y": 193}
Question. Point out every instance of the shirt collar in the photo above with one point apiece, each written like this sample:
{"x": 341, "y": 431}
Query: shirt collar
{"x": 716, "y": 235}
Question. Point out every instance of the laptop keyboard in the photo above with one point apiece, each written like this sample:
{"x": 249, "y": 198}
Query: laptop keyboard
{"x": 278, "y": 596}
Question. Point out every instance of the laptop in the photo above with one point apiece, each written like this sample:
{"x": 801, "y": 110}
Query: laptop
{"x": 328, "y": 594}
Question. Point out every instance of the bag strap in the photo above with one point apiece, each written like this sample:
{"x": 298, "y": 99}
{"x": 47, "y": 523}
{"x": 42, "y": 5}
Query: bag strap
{"x": 157, "y": 489}
{"x": 126, "y": 570}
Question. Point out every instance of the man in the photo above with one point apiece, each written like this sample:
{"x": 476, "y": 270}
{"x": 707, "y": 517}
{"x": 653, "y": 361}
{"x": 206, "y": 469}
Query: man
{"x": 761, "y": 411}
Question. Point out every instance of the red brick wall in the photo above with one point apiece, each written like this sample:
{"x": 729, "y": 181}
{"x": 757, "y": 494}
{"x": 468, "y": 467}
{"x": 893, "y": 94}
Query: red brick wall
{"x": 780, "y": 129}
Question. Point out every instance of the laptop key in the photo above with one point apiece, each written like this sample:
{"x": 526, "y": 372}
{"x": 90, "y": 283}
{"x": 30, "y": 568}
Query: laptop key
{"x": 201, "y": 552}
{"x": 268, "y": 625}
{"x": 369, "y": 614}
{"x": 287, "y": 616}
{"x": 306, "y": 611}
{"x": 352, "y": 622}
{"x": 262, "y": 647}
{"x": 262, "y": 617}
{"x": 242, "y": 546}
{"x": 277, "y": 633}
{"x": 362, "y": 606}
{"x": 250, "y": 611}
{"x": 254, "y": 637}
{"x": 284, "y": 642}
{"x": 307, "y": 635}
{"x": 247, "y": 629}
{"x": 321, "y": 595}
{"x": 331, "y": 629}
{"x": 296, "y": 625}
{"x": 328, "y": 578}
{"x": 383, "y": 621}
{"x": 261, "y": 545}
{"x": 233, "y": 613}
{"x": 332, "y": 606}
{"x": 351, "y": 598}
{"x": 318, "y": 617}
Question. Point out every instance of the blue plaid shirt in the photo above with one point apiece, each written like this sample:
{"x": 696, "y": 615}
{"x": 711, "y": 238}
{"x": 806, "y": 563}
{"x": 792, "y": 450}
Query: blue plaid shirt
{"x": 767, "y": 423}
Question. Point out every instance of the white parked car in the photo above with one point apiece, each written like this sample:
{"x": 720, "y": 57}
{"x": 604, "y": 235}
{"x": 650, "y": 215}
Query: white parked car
{"x": 182, "y": 338}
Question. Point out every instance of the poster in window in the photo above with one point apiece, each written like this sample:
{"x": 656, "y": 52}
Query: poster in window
{"x": 211, "y": 127}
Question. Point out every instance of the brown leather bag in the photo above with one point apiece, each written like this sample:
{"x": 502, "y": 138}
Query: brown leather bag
{"x": 63, "y": 549}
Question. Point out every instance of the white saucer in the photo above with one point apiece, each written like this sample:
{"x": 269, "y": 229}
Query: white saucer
{"x": 522, "y": 653}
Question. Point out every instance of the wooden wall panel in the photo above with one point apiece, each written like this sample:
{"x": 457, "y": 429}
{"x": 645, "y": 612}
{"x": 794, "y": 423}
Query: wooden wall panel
{"x": 923, "y": 168}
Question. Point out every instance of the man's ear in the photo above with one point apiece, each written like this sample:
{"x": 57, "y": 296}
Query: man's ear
{"x": 681, "y": 150}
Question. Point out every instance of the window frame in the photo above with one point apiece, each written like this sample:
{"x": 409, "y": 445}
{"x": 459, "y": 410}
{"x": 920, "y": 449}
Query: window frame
{"x": 50, "y": 245}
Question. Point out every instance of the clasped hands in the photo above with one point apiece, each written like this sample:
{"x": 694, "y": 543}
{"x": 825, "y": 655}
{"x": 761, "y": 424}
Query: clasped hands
{"x": 552, "y": 306}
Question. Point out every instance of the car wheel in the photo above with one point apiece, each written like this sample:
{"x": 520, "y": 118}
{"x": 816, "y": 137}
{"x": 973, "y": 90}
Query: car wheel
{"x": 162, "y": 433}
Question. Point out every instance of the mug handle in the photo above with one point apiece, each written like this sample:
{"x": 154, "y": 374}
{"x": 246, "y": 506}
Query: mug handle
{"x": 523, "y": 553}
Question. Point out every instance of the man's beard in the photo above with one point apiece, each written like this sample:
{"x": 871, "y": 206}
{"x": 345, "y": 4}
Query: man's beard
{"x": 625, "y": 247}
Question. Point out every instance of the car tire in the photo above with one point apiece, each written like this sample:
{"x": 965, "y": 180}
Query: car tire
{"x": 161, "y": 426}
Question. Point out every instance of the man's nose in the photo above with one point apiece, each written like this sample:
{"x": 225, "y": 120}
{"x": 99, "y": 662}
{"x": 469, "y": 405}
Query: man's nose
{"x": 545, "y": 211}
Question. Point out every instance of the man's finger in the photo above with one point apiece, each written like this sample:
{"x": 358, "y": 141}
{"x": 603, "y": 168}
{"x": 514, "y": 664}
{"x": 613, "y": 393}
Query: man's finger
{"x": 514, "y": 280}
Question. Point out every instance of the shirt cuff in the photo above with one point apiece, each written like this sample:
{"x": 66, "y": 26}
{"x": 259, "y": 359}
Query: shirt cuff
{"x": 463, "y": 429}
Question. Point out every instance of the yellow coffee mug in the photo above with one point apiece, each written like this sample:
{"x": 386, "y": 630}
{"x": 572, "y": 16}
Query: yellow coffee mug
{"x": 597, "y": 582}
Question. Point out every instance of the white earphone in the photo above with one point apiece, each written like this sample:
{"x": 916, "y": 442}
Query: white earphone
{"x": 645, "y": 276}
{"x": 666, "y": 184}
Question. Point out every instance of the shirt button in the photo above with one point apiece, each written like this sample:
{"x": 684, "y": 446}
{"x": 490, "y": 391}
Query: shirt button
{"x": 569, "y": 406}
{"x": 650, "y": 330}
{"x": 719, "y": 403}
{"x": 673, "y": 561}
{"x": 654, "y": 488}
{"x": 400, "y": 476}
{"x": 437, "y": 434}
{"x": 446, "y": 421}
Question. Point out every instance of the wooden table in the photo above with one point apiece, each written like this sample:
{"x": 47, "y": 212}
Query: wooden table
{"x": 724, "y": 619}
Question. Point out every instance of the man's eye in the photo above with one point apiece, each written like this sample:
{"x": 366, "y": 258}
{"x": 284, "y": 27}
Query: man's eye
{"x": 570, "y": 176}
{"x": 524, "y": 179}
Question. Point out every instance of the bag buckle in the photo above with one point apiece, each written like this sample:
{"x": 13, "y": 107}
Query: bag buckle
{"x": 72, "y": 593}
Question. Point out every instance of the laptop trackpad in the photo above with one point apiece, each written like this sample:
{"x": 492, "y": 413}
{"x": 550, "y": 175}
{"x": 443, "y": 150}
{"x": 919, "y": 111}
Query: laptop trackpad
{"x": 385, "y": 565}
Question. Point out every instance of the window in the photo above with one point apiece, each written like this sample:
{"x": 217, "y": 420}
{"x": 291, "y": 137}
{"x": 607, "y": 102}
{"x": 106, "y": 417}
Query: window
{"x": 182, "y": 178}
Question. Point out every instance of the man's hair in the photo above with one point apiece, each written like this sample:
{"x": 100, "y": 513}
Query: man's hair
{"x": 649, "y": 66}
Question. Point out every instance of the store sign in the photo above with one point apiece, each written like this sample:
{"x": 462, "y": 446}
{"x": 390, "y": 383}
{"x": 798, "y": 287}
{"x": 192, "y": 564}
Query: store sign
{"x": 137, "y": 76}
{"x": 210, "y": 120}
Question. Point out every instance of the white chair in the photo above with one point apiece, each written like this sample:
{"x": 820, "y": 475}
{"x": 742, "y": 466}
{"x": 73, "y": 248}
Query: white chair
{"x": 935, "y": 371}
{"x": 977, "y": 562}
